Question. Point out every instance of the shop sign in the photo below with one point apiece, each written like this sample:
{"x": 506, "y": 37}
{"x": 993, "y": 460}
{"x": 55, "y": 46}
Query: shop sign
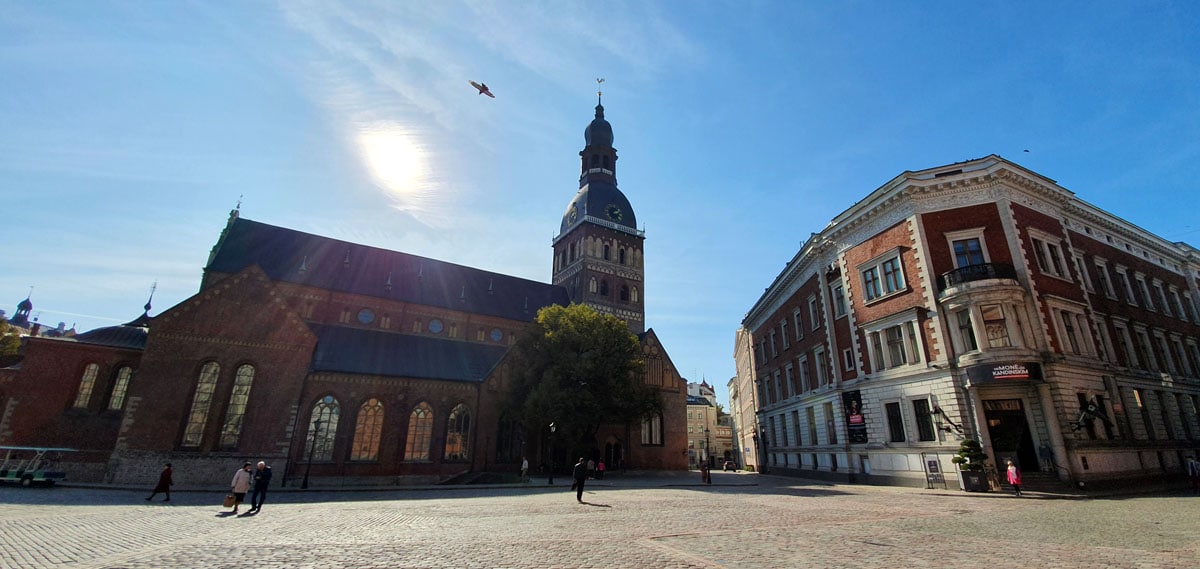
{"x": 1019, "y": 371}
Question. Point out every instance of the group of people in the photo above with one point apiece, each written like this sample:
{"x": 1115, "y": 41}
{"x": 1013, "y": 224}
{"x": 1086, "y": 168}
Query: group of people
{"x": 245, "y": 481}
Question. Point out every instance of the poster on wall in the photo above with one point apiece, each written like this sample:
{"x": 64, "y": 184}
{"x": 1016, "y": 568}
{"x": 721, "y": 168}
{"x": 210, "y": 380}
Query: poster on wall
{"x": 856, "y": 424}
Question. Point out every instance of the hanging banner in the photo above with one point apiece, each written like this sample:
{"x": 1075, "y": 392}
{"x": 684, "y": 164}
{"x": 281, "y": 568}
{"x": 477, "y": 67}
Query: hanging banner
{"x": 856, "y": 424}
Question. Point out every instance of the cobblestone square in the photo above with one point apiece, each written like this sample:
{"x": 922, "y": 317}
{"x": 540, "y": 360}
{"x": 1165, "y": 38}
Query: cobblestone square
{"x": 664, "y": 521}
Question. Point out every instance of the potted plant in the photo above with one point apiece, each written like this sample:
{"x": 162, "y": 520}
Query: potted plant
{"x": 970, "y": 460}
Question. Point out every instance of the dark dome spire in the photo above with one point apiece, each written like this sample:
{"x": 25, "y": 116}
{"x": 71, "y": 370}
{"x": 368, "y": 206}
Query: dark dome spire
{"x": 599, "y": 132}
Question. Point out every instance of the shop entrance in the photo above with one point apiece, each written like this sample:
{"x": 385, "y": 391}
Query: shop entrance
{"x": 1009, "y": 431}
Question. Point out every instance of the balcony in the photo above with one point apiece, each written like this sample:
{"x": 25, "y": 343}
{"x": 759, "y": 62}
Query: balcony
{"x": 980, "y": 272}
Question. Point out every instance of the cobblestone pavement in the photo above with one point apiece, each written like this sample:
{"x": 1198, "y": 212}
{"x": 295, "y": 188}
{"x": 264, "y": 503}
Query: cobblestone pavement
{"x": 743, "y": 520}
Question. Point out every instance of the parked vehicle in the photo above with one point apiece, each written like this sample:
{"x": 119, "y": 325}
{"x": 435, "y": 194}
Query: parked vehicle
{"x": 730, "y": 466}
{"x": 31, "y": 465}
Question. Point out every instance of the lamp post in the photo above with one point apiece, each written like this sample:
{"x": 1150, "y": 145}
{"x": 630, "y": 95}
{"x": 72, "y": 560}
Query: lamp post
{"x": 553, "y": 427}
{"x": 311, "y": 448}
{"x": 707, "y": 448}
{"x": 765, "y": 451}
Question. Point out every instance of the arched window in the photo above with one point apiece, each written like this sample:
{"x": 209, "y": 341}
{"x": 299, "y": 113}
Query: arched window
{"x": 603, "y": 288}
{"x": 595, "y": 160}
{"x": 592, "y": 286}
{"x": 367, "y": 431}
{"x": 120, "y": 387}
{"x": 458, "y": 431}
{"x": 633, "y": 296}
{"x": 86, "y": 383}
{"x": 621, "y": 256}
{"x": 420, "y": 433}
{"x": 607, "y": 253}
{"x": 237, "y": 406}
{"x": 193, "y": 433}
{"x": 322, "y": 428}
{"x": 510, "y": 440}
{"x": 652, "y": 431}
{"x": 625, "y": 293}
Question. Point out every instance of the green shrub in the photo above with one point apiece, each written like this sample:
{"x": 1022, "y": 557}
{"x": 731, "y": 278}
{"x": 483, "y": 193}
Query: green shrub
{"x": 970, "y": 455}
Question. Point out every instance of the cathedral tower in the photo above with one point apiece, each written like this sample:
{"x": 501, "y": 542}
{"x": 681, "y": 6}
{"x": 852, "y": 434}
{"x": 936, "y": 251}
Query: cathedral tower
{"x": 598, "y": 250}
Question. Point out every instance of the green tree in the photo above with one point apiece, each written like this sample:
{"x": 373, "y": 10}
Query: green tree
{"x": 579, "y": 369}
{"x": 10, "y": 342}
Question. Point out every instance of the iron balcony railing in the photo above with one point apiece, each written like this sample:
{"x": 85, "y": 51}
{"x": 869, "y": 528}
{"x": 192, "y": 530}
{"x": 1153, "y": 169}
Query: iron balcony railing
{"x": 977, "y": 273}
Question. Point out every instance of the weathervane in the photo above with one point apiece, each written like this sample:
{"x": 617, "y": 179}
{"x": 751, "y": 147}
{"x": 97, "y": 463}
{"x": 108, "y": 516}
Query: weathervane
{"x": 599, "y": 80}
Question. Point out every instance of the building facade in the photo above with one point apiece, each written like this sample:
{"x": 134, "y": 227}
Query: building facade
{"x": 743, "y": 402}
{"x": 341, "y": 362}
{"x": 982, "y": 300}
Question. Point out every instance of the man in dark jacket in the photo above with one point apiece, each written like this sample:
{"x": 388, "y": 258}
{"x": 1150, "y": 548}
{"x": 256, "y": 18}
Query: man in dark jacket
{"x": 580, "y": 473}
{"x": 262, "y": 477}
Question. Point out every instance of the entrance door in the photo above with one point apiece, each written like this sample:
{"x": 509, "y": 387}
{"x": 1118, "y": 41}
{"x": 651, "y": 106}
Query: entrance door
{"x": 1009, "y": 431}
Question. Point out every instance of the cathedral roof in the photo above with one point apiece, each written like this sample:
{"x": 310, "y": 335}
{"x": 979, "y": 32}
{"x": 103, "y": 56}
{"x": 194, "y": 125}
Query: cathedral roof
{"x": 356, "y": 350}
{"x": 124, "y": 336}
{"x": 293, "y": 256}
{"x": 600, "y": 200}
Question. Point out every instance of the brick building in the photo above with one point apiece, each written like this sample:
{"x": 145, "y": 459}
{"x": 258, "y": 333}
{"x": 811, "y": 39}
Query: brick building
{"x": 979, "y": 299}
{"x": 337, "y": 360}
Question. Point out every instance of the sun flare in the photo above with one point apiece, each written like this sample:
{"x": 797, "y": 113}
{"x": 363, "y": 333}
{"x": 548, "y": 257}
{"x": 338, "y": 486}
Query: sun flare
{"x": 395, "y": 159}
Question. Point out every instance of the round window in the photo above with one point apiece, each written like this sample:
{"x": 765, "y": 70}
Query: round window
{"x": 497, "y": 335}
{"x": 435, "y": 326}
{"x": 366, "y": 316}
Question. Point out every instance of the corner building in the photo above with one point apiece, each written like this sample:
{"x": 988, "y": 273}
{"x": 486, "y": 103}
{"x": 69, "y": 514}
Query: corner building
{"x": 979, "y": 300}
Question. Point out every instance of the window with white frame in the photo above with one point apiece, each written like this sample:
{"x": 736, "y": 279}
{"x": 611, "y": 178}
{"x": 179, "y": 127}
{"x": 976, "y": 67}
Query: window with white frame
{"x": 1162, "y": 352}
{"x": 847, "y": 359}
{"x": 894, "y": 341}
{"x": 895, "y": 421}
{"x": 1084, "y": 277}
{"x": 1105, "y": 282}
{"x": 882, "y": 276}
{"x": 1191, "y": 307}
{"x": 778, "y": 388}
{"x": 810, "y": 414}
{"x": 799, "y": 324}
{"x": 1105, "y": 342}
{"x": 1193, "y": 352}
{"x": 1178, "y": 304}
{"x": 968, "y": 247}
{"x": 830, "y": 424}
{"x": 995, "y": 325}
{"x": 1145, "y": 349}
{"x": 838, "y": 293}
{"x": 814, "y": 312}
{"x": 820, "y": 364}
{"x": 783, "y": 334}
{"x": 806, "y": 383}
{"x": 1179, "y": 355}
{"x": 1073, "y": 330}
{"x": 1124, "y": 345}
{"x": 1162, "y": 298}
{"x": 796, "y": 428}
{"x": 1126, "y": 286}
{"x": 1047, "y": 251}
{"x": 1145, "y": 290}
{"x": 966, "y": 332}
{"x": 773, "y": 350}
{"x": 790, "y": 383}
{"x": 924, "y": 418}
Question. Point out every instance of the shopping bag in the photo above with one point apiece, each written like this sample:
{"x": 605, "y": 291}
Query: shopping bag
{"x": 230, "y": 500}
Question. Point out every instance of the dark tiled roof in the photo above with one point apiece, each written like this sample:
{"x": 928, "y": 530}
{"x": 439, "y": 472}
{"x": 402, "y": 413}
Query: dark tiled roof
{"x": 297, "y": 257}
{"x": 125, "y": 336}
{"x": 696, "y": 400}
{"x": 355, "y": 350}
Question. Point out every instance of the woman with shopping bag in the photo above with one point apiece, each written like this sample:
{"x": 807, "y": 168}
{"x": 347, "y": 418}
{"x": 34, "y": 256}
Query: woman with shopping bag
{"x": 239, "y": 486}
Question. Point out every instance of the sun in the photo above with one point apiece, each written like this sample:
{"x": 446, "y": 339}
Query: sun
{"x": 395, "y": 160}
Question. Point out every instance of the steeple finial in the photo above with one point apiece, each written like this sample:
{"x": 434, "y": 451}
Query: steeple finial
{"x": 153, "y": 288}
{"x": 599, "y": 93}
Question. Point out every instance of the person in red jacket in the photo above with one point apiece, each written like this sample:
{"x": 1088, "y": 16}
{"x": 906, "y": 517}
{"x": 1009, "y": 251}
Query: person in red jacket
{"x": 1014, "y": 477}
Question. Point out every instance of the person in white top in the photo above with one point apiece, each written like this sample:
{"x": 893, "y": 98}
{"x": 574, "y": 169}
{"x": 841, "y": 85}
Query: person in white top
{"x": 240, "y": 485}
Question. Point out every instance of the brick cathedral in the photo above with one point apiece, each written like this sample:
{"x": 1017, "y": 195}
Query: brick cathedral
{"x": 353, "y": 364}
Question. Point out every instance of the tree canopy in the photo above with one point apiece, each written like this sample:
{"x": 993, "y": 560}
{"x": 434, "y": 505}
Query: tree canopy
{"x": 10, "y": 342}
{"x": 579, "y": 369}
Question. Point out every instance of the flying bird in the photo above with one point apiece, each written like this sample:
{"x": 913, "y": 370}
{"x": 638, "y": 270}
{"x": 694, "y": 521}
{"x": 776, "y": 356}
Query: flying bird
{"x": 483, "y": 88}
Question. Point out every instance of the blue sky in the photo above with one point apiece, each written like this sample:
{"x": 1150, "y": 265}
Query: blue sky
{"x": 129, "y": 130}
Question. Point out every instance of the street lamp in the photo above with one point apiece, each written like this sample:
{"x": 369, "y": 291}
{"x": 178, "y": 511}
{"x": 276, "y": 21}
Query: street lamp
{"x": 553, "y": 428}
{"x": 311, "y": 448}
{"x": 707, "y": 448}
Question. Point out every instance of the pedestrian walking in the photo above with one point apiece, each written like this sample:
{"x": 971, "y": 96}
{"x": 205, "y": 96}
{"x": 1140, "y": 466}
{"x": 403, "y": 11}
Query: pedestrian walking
{"x": 240, "y": 485}
{"x": 524, "y": 467}
{"x": 164, "y": 484}
{"x": 262, "y": 479}
{"x": 1014, "y": 477}
{"x": 600, "y": 469}
{"x": 1193, "y": 472}
{"x": 591, "y": 466}
{"x": 580, "y": 474}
